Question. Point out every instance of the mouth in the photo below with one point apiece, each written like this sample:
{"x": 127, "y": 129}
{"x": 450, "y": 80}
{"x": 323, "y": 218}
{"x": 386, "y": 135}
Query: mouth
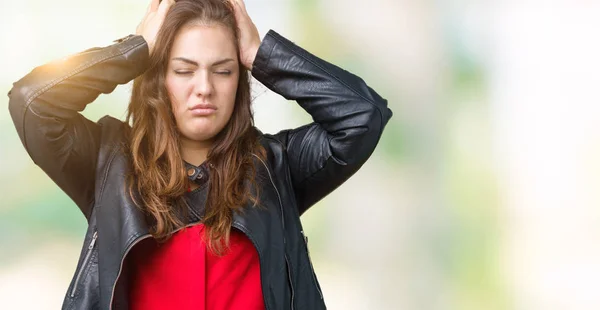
{"x": 203, "y": 109}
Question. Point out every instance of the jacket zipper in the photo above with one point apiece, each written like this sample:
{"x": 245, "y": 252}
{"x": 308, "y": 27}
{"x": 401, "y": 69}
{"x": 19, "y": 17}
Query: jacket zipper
{"x": 138, "y": 240}
{"x": 287, "y": 263}
{"x": 289, "y": 272}
{"x": 245, "y": 231}
{"x": 86, "y": 258}
{"x": 312, "y": 268}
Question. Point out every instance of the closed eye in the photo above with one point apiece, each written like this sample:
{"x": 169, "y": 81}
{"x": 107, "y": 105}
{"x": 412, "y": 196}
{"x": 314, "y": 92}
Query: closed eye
{"x": 183, "y": 72}
{"x": 223, "y": 72}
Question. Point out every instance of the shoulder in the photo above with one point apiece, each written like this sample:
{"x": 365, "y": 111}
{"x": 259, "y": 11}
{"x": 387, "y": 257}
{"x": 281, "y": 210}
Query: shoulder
{"x": 111, "y": 124}
{"x": 271, "y": 142}
{"x": 113, "y": 135}
{"x": 275, "y": 151}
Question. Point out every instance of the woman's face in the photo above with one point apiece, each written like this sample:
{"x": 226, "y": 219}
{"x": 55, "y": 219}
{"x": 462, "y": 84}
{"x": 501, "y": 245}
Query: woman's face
{"x": 202, "y": 79}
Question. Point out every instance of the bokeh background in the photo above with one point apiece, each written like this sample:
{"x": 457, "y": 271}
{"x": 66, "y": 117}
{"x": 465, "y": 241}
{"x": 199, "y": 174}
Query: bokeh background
{"x": 482, "y": 194}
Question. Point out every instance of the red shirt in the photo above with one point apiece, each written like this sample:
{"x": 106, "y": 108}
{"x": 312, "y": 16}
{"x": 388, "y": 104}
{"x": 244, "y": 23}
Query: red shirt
{"x": 183, "y": 274}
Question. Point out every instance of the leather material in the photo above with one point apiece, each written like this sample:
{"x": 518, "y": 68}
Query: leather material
{"x": 88, "y": 161}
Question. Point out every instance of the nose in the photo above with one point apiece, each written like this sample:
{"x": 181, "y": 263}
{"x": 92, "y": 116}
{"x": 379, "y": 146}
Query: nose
{"x": 203, "y": 84}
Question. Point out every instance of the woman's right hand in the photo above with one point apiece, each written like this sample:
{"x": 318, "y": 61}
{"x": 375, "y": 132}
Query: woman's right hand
{"x": 150, "y": 25}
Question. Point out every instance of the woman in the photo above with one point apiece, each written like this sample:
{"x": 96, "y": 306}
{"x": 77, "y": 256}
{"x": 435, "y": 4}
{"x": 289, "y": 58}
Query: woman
{"x": 189, "y": 205}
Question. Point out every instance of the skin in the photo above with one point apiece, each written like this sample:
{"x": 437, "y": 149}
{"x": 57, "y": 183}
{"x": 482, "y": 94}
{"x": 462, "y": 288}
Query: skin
{"x": 204, "y": 81}
{"x": 203, "y": 69}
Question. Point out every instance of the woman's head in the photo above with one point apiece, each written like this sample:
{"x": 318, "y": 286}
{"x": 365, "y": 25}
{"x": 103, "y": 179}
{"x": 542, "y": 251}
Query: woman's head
{"x": 197, "y": 55}
{"x": 195, "y": 91}
{"x": 202, "y": 80}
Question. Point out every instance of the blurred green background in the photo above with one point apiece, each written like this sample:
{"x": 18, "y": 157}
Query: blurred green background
{"x": 482, "y": 193}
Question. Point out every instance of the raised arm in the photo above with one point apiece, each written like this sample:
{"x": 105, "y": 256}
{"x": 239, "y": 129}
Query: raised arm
{"x": 348, "y": 115}
{"x": 45, "y": 106}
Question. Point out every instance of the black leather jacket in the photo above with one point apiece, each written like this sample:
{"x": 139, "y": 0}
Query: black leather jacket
{"x": 87, "y": 160}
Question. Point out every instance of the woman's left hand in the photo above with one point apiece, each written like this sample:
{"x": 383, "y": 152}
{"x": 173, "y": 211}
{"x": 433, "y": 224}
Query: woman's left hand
{"x": 249, "y": 40}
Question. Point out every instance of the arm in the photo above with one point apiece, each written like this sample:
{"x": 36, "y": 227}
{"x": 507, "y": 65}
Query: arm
{"x": 349, "y": 117}
{"x": 45, "y": 106}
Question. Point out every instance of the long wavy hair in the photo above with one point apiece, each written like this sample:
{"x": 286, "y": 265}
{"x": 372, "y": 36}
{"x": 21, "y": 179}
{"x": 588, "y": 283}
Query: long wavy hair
{"x": 158, "y": 180}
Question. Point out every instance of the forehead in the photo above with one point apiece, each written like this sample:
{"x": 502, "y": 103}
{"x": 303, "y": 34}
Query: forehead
{"x": 204, "y": 43}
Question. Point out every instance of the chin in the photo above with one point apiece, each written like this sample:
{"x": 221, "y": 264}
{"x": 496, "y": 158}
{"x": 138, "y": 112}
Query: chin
{"x": 199, "y": 136}
{"x": 201, "y": 133}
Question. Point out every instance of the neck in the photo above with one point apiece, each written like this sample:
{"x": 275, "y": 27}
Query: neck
{"x": 195, "y": 152}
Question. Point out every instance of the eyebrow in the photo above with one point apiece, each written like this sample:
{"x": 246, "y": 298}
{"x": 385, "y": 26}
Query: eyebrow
{"x": 191, "y": 62}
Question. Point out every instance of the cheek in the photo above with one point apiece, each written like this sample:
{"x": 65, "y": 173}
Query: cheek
{"x": 176, "y": 91}
{"x": 229, "y": 90}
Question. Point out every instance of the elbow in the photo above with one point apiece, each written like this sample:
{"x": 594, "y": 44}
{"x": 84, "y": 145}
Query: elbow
{"x": 15, "y": 99}
{"x": 17, "y": 104}
{"x": 19, "y": 97}
{"x": 355, "y": 145}
{"x": 368, "y": 140}
{"x": 375, "y": 121}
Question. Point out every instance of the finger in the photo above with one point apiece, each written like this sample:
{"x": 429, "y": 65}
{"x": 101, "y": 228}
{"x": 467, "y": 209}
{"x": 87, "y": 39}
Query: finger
{"x": 153, "y": 6}
{"x": 238, "y": 10}
{"x": 234, "y": 6}
{"x": 242, "y": 5}
{"x": 238, "y": 5}
{"x": 164, "y": 6}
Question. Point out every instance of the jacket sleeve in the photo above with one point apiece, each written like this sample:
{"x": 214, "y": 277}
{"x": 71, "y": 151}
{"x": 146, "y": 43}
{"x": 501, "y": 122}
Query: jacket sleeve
{"x": 348, "y": 116}
{"x": 45, "y": 106}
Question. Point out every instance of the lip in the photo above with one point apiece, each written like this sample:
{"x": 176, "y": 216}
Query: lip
{"x": 203, "y": 109}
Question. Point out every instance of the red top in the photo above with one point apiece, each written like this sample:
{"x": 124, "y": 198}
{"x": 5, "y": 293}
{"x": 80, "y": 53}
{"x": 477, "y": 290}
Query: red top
{"x": 183, "y": 274}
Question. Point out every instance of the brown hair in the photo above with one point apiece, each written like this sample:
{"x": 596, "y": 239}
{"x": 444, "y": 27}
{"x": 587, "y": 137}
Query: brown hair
{"x": 158, "y": 170}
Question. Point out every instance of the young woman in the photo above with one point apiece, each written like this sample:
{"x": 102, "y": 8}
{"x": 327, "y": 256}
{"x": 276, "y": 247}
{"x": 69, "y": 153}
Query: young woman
{"x": 189, "y": 205}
